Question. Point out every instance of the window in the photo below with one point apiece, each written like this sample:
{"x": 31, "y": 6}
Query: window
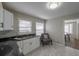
{"x": 25, "y": 26}
{"x": 39, "y": 28}
{"x": 68, "y": 28}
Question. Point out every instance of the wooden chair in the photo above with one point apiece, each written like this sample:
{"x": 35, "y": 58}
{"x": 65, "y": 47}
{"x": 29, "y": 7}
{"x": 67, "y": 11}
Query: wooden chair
{"x": 45, "y": 39}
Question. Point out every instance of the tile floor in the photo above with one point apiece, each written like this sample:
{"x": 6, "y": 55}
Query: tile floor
{"x": 55, "y": 50}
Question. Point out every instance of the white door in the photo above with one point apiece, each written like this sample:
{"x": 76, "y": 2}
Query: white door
{"x": 8, "y": 20}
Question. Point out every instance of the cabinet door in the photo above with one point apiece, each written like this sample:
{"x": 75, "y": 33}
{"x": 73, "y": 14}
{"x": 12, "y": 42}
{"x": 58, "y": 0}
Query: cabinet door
{"x": 1, "y": 13}
{"x": 8, "y": 20}
{"x": 1, "y": 17}
{"x": 30, "y": 45}
{"x": 35, "y": 43}
{"x": 26, "y": 46}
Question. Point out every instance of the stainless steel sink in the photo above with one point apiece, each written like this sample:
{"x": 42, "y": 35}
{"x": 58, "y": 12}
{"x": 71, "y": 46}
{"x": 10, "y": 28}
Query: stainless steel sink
{"x": 5, "y": 49}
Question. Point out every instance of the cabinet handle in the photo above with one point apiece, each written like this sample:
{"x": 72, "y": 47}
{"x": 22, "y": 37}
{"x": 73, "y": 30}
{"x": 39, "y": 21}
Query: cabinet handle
{"x": 2, "y": 25}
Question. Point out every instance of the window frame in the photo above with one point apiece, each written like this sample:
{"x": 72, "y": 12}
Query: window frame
{"x": 39, "y": 30}
{"x": 21, "y": 27}
{"x": 69, "y": 28}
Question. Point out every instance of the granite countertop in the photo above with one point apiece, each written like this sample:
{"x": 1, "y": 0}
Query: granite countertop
{"x": 22, "y": 38}
{"x": 17, "y": 38}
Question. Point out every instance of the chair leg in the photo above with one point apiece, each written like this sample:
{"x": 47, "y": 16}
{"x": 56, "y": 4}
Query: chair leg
{"x": 42, "y": 43}
{"x": 51, "y": 42}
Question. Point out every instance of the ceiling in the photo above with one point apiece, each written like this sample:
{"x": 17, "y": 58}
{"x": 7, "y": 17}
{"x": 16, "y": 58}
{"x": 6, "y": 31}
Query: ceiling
{"x": 39, "y": 9}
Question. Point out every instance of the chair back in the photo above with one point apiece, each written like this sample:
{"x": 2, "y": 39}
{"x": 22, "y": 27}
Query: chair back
{"x": 44, "y": 36}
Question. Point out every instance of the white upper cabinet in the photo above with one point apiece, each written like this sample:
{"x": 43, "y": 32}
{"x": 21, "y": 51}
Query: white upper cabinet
{"x": 8, "y": 20}
{"x": 1, "y": 17}
{"x": 1, "y": 13}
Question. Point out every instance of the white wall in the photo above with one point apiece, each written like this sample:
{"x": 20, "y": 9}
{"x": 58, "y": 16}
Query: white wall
{"x": 55, "y": 27}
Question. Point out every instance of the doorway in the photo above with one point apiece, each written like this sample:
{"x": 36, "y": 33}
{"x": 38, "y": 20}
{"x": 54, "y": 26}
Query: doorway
{"x": 68, "y": 32}
{"x": 71, "y": 33}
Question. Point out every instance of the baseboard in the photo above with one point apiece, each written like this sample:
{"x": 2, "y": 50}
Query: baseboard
{"x": 59, "y": 42}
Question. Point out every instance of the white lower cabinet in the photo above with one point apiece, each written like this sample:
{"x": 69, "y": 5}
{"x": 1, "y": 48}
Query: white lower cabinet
{"x": 30, "y": 44}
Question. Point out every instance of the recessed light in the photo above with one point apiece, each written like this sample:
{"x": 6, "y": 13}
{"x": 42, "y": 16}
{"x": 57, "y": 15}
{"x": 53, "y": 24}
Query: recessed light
{"x": 53, "y": 5}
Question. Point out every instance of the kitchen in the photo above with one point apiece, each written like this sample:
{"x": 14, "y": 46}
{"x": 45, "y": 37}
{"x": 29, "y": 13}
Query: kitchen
{"x": 24, "y": 26}
{"x": 10, "y": 35}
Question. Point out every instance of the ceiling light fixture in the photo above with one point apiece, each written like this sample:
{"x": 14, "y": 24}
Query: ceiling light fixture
{"x": 53, "y": 5}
